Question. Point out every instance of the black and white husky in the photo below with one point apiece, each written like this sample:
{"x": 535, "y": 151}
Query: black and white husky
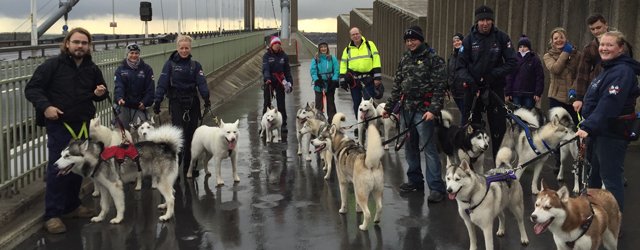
{"x": 158, "y": 158}
{"x": 462, "y": 143}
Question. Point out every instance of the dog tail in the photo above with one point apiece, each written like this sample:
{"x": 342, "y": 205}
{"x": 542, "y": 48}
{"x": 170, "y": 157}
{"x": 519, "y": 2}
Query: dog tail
{"x": 447, "y": 119}
{"x": 375, "y": 151}
{"x": 560, "y": 112}
{"x": 338, "y": 118}
{"x": 503, "y": 158}
{"x": 528, "y": 117}
{"x": 167, "y": 134}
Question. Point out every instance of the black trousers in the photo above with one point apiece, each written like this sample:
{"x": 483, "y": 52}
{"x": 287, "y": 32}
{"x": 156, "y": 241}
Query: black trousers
{"x": 279, "y": 89}
{"x": 331, "y": 105}
{"x": 186, "y": 117}
{"x": 496, "y": 114}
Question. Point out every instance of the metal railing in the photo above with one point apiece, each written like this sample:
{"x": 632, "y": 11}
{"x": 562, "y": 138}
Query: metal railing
{"x": 23, "y": 152}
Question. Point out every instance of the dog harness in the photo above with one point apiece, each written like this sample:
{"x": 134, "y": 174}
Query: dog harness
{"x": 527, "y": 133}
{"x": 499, "y": 176}
{"x": 584, "y": 226}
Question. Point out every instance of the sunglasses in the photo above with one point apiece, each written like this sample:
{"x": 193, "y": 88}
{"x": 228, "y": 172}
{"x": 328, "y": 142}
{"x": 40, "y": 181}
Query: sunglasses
{"x": 78, "y": 42}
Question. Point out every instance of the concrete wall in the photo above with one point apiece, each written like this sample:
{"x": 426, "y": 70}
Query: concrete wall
{"x": 440, "y": 19}
{"x": 344, "y": 25}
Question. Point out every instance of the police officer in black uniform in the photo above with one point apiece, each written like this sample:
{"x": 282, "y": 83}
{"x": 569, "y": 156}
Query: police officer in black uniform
{"x": 488, "y": 57}
{"x": 181, "y": 80}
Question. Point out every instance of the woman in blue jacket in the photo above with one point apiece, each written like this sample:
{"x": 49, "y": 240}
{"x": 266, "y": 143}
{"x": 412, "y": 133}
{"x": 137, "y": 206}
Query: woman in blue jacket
{"x": 276, "y": 75}
{"x": 325, "y": 71}
{"x": 134, "y": 87}
{"x": 608, "y": 108}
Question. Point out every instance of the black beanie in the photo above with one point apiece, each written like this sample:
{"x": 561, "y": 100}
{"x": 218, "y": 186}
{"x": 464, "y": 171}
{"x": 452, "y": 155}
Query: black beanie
{"x": 459, "y": 36}
{"x": 484, "y": 12}
{"x": 414, "y": 32}
{"x": 524, "y": 40}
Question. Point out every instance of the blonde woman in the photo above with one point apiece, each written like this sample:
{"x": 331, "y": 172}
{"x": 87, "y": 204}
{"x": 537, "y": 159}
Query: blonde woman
{"x": 181, "y": 80}
{"x": 562, "y": 60}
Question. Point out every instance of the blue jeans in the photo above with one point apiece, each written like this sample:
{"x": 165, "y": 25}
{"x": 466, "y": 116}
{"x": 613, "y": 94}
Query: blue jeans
{"x": 524, "y": 101}
{"x": 418, "y": 136}
{"x": 62, "y": 192}
{"x": 606, "y": 156}
{"x": 358, "y": 93}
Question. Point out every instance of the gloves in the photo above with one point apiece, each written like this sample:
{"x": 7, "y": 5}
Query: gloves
{"x": 567, "y": 48}
{"x": 319, "y": 83}
{"x": 287, "y": 86}
{"x": 572, "y": 95}
{"x": 207, "y": 103}
{"x": 156, "y": 108}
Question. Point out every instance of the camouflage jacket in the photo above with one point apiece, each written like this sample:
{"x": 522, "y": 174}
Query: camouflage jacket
{"x": 420, "y": 82}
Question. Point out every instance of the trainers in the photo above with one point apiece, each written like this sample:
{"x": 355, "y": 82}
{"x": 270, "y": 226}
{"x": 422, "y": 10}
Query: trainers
{"x": 55, "y": 226}
{"x": 80, "y": 212}
{"x": 435, "y": 197}
{"x": 409, "y": 187}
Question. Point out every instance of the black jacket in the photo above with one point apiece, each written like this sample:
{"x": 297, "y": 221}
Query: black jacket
{"x": 273, "y": 63}
{"x": 455, "y": 83}
{"x": 60, "y": 83}
{"x": 486, "y": 56}
{"x": 134, "y": 86}
{"x": 181, "y": 76}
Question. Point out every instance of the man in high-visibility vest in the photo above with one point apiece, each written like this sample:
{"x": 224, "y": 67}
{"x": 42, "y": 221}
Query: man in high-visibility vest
{"x": 360, "y": 70}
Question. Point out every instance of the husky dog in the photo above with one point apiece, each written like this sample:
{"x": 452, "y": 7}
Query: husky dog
{"x": 158, "y": 158}
{"x": 388, "y": 124}
{"x": 271, "y": 125}
{"x": 221, "y": 143}
{"x": 462, "y": 143}
{"x": 360, "y": 167}
{"x": 139, "y": 131}
{"x": 303, "y": 114}
{"x": 551, "y": 133}
{"x": 366, "y": 110}
{"x": 322, "y": 144}
{"x": 311, "y": 129}
{"x": 584, "y": 222}
{"x": 108, "y": 137}
{"x": 479, "y": 204}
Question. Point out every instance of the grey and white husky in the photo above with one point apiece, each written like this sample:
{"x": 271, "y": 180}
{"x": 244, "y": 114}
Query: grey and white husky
{"x": 158, "y": 158}
{"x": 479, "y": 204}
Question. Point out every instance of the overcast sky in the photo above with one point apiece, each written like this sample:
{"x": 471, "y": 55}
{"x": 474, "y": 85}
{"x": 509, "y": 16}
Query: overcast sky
{"x": 98, "y": 13}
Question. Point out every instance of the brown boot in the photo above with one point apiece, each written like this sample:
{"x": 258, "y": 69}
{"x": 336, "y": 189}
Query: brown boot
{"x": 80, "y": 212}
{"x": 55, "y": 226}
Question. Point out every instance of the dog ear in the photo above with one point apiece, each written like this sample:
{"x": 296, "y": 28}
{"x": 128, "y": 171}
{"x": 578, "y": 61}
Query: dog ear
{"x": 221, "y": 122}
{"x": 152, "y": 121}
{"x": 85, "y": 145}
{"x": 555, "y": 120}
{"x": 563, "y": 193}
{"x": 543, "y": 184}
{"x": 235, "y": 123}
{"x": 464, "y": 165}
{"x": 469, "y": 129}
{"x": 137, "y": 121}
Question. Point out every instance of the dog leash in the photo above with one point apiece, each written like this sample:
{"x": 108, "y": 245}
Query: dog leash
{"x": 365, "y": 121}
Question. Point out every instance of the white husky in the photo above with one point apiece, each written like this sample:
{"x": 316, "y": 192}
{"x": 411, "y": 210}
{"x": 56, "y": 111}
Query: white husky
{"x": 388, "y": 124}
{"x": 551, "y": 134}
{"x": 108, "y": 137}
{"x": 139, "y": 131}
{"x": 479, "y": 204}
{"x": 366, "y": 110}
{"x": 221, "y": 143}
{"x": 271, "y": 125}
{"x": 304, "y": 114}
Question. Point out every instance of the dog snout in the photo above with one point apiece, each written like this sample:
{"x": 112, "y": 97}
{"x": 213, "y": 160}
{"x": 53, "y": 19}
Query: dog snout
{"x": 534, "y": 218}
{"x": 449, "y": 190}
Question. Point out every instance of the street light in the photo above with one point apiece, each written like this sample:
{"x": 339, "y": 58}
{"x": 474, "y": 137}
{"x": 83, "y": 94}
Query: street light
{"x": 113, "y": 23}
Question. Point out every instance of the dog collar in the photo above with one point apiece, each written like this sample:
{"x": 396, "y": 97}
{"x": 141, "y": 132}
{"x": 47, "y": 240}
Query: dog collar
{"x": 585, "y": 227}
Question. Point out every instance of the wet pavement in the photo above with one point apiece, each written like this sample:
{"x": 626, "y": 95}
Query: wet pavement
{"x": 283, "y": 202}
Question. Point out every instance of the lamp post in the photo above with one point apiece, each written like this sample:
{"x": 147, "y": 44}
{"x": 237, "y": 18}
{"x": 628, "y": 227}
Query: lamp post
{"x": 113, "y": 23}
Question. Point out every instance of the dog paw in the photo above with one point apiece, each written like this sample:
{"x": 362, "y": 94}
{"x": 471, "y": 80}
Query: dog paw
{"x": 308, "y": 158}
{"x": 220, "y": 184}
{"x": 189, "y": 175}
{"x": 500, "y": 233}
{"x": 524, "y": 242}
{"x": 97, "y": 219}
{"x": 386, "y": 147}
{"x": 207, "y": 173}
{"x": 363, "y": 227}
{"x": 236, "y": 179}
{"x": 115, "y": 220}
{"x": 164, "y": 217}
{"x": 95, "y": 193}
{"x": 162, "y": 206}
{"x": 138, "y": 188}
{"x": 534, "y": 191}
{"x": 342, "y": 211}
{"x": 326, "y": 177}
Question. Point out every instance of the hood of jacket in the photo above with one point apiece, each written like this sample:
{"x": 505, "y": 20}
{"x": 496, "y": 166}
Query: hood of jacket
{"x": 623, "y": 59}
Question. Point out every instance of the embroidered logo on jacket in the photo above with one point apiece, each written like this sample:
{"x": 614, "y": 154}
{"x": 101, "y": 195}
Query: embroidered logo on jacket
{"x": 614, "y": 90}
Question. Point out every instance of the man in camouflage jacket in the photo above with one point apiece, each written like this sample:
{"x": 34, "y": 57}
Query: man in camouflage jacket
{"x": 418, "y": 94}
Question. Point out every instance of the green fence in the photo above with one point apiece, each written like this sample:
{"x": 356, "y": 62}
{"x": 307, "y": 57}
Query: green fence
{"x": 23, "y": 151}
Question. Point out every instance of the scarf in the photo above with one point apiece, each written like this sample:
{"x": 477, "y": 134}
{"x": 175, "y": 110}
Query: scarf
{"x": 133, "y": 65}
